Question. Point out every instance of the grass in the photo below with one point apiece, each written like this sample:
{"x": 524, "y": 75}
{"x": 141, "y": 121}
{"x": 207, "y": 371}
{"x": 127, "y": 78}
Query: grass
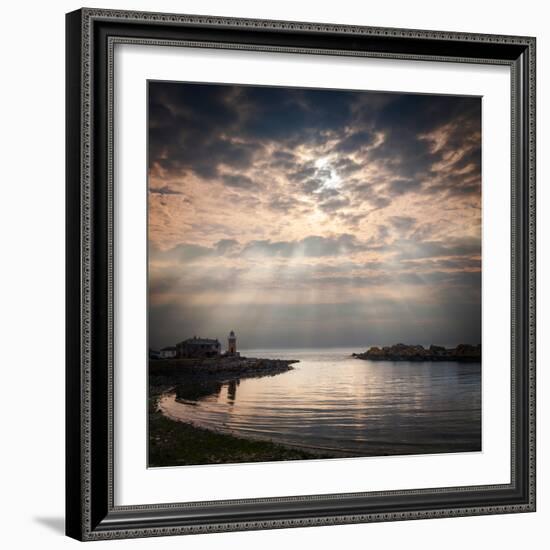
{"x": 174, "y": 443}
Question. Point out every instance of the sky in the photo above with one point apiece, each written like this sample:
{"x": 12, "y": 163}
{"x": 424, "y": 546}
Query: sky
{"x": 304, "y": 217}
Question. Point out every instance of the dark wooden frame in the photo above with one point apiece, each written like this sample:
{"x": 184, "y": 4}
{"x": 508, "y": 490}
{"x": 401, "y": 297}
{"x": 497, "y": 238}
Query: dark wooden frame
{"x": 90, "y": 510}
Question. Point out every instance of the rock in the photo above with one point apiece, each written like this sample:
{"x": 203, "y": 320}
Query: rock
{"x": 204, "y": 376}
{"x": 404, "y": 352}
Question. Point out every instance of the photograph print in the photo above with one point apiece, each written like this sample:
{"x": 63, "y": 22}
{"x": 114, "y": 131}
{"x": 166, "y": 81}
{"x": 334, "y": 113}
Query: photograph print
{"x": 314, "y": 273}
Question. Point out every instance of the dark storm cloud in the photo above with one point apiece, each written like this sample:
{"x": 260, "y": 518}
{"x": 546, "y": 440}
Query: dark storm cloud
{"x": 347, "y": 166}
{"x": 305, "y": 171}
{"x": 471, "y": 160}
{"x": 355, "y": 141}
{"x": 426, "y": 112}
{"x": 283, "y": 160}
{"x": 367, "y": 191}
{"x": 402, "y": 186}
{"x": 405, "y": 123}
{"x": 190, "y": 127}
{"x": 292, "y": 116}
{"x": 194, "y": 127}
{"x": 240, "y": 182}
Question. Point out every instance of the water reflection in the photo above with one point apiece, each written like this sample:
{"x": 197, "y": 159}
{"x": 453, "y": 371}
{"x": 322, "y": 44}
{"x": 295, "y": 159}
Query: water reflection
{"x": 334, "y": 402}
{"x": 232, "y": 391}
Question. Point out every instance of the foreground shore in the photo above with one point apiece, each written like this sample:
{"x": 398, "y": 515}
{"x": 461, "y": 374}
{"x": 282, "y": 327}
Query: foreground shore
{"x": 173, "y": 443}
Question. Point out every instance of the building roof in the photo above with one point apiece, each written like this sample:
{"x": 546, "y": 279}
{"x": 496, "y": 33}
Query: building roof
{"x": 200, "y": 341}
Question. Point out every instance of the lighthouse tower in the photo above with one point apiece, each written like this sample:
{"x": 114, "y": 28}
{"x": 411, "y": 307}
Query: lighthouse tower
{"x": 232, "y": 344}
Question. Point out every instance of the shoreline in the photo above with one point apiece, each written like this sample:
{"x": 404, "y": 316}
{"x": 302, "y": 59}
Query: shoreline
{"x": 316, "y": 451}
{"x": 176, "y": 443}
{"x": 173, "y": 442}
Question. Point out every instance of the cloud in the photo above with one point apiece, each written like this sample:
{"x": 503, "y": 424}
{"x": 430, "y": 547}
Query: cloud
{"x": 311, "y": 246}
{"x": 226, "y": 245}
{"x": 311, "y": 185}
{"x": 306, "y": 171}
{"x": 165, "y": 190}
{"x": 401, "y": 186}
{"x": 371, "y": 193}
{"x": 334, "y": 204}
{"x": 283, "y": 204}
{"x": 185, "y": 252}
{"x": 402, "y": 223}
{"x": 271, "y": 205}
{"x": 187, "y": 127}
{"x": 355, "y": 141}
{"x": 465, "y": 246}
{"x": 238, "y": 181}
{"x": 346, "y": 165}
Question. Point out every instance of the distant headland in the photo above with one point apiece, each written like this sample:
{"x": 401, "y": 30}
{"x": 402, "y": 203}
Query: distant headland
{"x": 463, "y": 353}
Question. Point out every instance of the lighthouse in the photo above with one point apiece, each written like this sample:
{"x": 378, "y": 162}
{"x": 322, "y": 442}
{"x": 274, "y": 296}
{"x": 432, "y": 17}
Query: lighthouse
{"x": 232, "y": 344}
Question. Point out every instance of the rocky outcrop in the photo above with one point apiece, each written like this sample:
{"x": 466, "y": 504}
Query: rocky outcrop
{"x": 203, "y": 374}
{"x": 464, "y": 353}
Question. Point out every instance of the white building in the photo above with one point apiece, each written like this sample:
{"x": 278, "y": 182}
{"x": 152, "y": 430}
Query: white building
{"x": 168, "y": 352}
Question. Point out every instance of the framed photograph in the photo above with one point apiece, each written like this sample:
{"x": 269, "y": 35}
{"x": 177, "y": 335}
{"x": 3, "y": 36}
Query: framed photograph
{"x": 300, "y": 274}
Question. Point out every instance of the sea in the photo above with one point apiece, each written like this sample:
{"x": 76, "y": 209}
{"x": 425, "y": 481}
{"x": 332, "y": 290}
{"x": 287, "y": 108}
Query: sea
{"x": 335, "y": 404}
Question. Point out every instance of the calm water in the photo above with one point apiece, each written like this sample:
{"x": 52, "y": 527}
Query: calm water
{"x": 332, "y": 402}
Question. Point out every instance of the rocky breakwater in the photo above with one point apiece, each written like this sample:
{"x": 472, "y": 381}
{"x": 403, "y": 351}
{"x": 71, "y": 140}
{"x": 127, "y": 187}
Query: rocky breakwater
{"x": 193, "y": 379}
{"x": 463, "y": 353}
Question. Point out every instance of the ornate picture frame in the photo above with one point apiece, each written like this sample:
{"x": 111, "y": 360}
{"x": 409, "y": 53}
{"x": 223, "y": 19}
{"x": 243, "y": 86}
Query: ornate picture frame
{"x": 92, "y": 35}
